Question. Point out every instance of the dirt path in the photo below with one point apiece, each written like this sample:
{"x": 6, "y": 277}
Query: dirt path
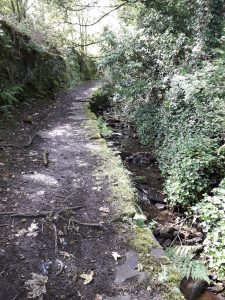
{"x": 55, "y": 246}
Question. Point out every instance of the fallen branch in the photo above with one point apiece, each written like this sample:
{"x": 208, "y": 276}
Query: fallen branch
{"x": 39, "y": 214}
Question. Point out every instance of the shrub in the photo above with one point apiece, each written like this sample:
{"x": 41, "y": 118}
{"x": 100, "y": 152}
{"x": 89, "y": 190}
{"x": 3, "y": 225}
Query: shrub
{"x": 193, "y": 166}
{"x": 146, "y": 121}
{"x": 211, "y": 212}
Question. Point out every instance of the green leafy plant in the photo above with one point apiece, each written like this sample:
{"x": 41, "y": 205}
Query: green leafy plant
{"x": 211, "y": 211}
{"x": 103, "y": 128}
{"x": 146, "y": 122}
{"x": 188, "y": 267}
{"x": 9, "y": 96}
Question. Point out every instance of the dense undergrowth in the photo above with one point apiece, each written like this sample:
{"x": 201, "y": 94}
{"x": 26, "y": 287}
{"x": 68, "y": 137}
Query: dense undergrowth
{"x": 167, "y": 68}
{"x": 28, "y": 70}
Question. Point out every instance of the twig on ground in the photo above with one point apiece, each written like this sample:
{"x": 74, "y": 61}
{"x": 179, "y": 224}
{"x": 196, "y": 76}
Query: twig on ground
{"x": 15, "y": 297}
{"x": 31, "y": 139}
{"x": 68, "y": 197}
{"x": 56, "y": 238}
{"x": 45, "y": 158}
{"x": 39, "y": 214}
{"x": 96, "y": 225}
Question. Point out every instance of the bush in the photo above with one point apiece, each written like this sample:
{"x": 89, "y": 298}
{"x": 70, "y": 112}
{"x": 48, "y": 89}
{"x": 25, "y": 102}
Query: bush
{"x": 189, "y": 136}
{"x": 171, "y": 83}
{"x": 194, "y": 165}
{"x": 146, "y": 121}
{"x": 211, "y": 212}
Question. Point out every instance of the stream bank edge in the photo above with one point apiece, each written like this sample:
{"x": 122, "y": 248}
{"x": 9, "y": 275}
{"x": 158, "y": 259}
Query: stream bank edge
{"x": 122, "y": 196}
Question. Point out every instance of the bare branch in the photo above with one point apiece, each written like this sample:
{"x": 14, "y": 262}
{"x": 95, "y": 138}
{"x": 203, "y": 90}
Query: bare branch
{"x": 88, "y": 44}
{"x": 83, "y": 7}
{"x": 102, "y": 17}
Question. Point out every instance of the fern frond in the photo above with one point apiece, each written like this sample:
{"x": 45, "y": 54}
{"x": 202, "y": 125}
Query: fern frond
{"x": 182, "y": 257}
{"x": 199, "y": 271}
{"x": 185, "y": 250}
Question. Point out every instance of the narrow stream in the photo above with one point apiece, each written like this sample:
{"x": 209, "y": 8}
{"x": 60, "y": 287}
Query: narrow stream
{"x": 168, "y": 226}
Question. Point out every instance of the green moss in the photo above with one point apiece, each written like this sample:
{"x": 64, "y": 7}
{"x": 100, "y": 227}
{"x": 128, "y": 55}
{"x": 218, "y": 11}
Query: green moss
{"x": 143, "y": 241}
{"x": 89, "y": 113}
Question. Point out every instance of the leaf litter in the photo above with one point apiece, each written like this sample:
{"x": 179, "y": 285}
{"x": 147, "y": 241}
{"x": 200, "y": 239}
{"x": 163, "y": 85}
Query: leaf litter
{"x": 36, "y": 286}
{"x": 30, "y": 231}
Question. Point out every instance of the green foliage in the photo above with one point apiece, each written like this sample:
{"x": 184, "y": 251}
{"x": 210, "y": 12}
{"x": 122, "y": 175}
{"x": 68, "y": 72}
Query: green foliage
{"x": 167, "y": 68}
{"x": 9, "y": 96}
{"x": 193, "y": 166}
{"x": 41, "y": 72}
{"x": 73, "y": 66}
{"x": 211, "y": 212}
{"x": 187, "y": 266}
{"x": 146, "y": 122}
{"x": 103, "y": 128}
{"x": 175, "y": 97}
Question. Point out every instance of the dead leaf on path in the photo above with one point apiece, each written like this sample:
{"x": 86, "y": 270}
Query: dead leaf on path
{"x": 36, "y": 286}
{"x": 116, "y": 255}
{"x": 104, "y": 209}
{"x": 66, "y": 254}
{"x": 88, "y": 277}
{"x": 30, "y": 231}
{"x": 140, "y": 267}
{"x": 98, "y": 297}
{"x": 21, "y": 232}
{"x": 96, "y": 188}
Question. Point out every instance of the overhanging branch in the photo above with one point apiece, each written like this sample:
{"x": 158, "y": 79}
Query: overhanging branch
{"x": 102, "y": 17}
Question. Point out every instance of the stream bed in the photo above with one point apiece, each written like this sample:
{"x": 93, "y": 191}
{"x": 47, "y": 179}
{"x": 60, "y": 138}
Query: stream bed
{"x": 169, "y": 227}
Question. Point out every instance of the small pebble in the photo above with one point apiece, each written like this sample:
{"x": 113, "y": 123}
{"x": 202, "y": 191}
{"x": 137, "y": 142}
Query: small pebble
{"x": 21, "y": 256}
{"x": 2, "y": 253}
{"x": 160, "y": 206}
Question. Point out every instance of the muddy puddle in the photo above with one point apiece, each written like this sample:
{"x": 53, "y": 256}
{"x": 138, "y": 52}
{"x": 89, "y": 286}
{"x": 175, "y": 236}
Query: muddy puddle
{"x": 169, "y": 227}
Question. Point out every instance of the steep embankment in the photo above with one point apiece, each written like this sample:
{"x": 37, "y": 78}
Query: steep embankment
{"x": 29, "y": 70}
{"x": 26, "y": 70}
